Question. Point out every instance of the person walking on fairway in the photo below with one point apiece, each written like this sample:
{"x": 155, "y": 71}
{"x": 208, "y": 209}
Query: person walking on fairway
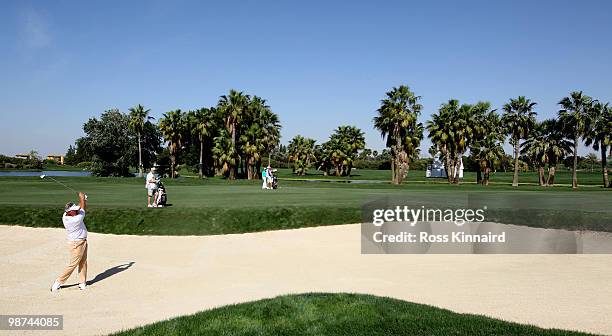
{"x": 77, "y": 242}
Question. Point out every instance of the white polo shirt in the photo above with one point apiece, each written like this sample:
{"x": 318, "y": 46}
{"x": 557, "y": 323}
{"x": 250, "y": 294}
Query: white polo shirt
{"x": 150, "y": 177}
{"x": 75, "y": 227}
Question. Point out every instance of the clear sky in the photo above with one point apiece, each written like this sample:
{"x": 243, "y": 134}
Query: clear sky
{"x": 319, "y": 64}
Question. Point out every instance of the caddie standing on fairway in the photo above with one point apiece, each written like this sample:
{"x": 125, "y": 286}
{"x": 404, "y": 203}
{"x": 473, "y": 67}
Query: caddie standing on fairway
{"x": 151, "y": 186}
{"x": 77, "y": 242}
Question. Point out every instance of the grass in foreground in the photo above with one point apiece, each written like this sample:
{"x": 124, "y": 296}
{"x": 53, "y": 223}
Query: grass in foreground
{"x": 336, "y": 314}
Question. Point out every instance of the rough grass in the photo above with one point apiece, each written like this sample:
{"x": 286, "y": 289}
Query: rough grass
{"x": 185, "y": 221}
{"x": 336, "y": 314}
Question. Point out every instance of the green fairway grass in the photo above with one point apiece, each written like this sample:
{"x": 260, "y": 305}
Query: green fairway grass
{"x": 336, "y": 314}
{"x": 217, "y": 206}
{"x": 562, "y": 177}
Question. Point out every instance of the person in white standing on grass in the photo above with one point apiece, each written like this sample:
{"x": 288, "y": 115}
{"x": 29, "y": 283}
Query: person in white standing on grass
{"x": 151, "y": 185}
{"x": 77, "y": 242}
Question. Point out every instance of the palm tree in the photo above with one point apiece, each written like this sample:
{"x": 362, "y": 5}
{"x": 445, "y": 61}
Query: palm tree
{"x": 342, "y": 148}
{"x": 488, "y": 148}
{"x": 557, "y": 146}
{"x": 172, "y": 126}
{"x": 592, "y": 159}
{"x": 547, "y": 144}
{"x": 301, "y": 152}
{"x": 535, "y": 148}
{"x": 518, "y": 120}
{"x": 454, "y": 129}
{"x": 576, "y": 115}
{"x": 600, "y": 135}
{"x": 204, "y": 121}
{"x": 138, "y": 117}
{"x": 441, "y": 134}
{"x": 262, "y": 135}
{"x": 234, "y": 108}
{"x": 397, "y": 122}
{"x": 224, "y": 153}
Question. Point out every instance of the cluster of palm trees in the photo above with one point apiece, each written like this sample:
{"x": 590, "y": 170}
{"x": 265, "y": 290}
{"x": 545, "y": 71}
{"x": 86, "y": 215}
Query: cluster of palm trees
{"x": 240, "y": 130}
{"x": 236, "y": 133}
{"x": 338, "y": 153}
{"x": 457, "y": 128}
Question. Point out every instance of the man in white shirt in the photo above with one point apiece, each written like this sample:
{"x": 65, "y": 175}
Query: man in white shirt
{"x": 151, "y": 185}
{"x": 77, "y": 242}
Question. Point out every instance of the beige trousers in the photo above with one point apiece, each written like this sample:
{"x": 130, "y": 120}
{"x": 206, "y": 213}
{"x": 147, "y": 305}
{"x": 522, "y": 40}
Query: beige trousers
{"x": 78, "y": 257}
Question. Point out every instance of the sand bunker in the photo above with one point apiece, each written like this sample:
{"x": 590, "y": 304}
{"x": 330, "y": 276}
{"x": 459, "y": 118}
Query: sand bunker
{"x": 138, "y": 279}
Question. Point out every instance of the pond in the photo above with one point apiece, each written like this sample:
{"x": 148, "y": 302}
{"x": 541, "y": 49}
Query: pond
{"x": 45, "y": 172}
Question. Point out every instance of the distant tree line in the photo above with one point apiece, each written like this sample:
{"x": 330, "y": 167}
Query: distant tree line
{"x": 239, "y": 134}
{"x": 476, "y": 128}
{"x": 467, "y": 135}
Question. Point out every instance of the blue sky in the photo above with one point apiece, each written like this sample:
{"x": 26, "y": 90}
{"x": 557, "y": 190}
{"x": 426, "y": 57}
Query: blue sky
{"x": 319, "y": 64}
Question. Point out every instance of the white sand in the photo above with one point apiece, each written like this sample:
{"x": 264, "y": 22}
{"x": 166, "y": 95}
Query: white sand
{"x": 173, "y": 276}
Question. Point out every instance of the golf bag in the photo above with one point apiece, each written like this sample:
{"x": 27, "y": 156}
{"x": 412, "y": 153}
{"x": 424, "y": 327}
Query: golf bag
{"x": 160, "y": 195}
{"x": 274, "y": 182}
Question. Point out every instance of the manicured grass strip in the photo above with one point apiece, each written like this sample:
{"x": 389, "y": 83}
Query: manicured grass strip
{"x": 215, "y": 206}
{"x": 213, "y": 221}
{"x": 186, "y": 221}
{"x": 336, "y": 314}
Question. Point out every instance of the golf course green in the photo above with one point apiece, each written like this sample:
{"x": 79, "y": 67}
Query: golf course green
{"x": 336, "y": 314}
{"x": 218, "y": 206}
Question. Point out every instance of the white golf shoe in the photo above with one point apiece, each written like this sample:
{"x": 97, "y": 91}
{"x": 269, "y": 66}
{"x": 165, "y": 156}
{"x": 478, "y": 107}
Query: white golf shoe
{"x": 82, "y": 286}
{"x": 56, "y": 286}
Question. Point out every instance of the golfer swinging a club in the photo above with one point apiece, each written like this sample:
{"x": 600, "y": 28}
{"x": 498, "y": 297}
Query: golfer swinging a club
{"x": 77, "y": 242}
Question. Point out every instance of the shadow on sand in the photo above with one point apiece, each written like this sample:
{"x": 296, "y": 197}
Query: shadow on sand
{"x": 108, "y": 273}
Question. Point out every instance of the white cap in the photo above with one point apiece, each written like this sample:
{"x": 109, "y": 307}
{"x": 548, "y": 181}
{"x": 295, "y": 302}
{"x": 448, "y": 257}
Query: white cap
{"x": 72, "y": 207}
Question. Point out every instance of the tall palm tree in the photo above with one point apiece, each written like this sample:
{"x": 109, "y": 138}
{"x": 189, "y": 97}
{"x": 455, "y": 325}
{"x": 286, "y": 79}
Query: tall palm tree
{"x": 397, "y": 122}
{"x": 204, "y": 121}
{"x": 270, "y": 131}
{"x": 234, "y": 108}
{"x": 138, "y": 117}
{"x": 600, "y": 136}
{"x": 518, "y": 120}
{"x": 442, "y": 136}
{"x": 576, "y": 115}
{"x": 262, "y": 135}
{"x": 172, "y": 127}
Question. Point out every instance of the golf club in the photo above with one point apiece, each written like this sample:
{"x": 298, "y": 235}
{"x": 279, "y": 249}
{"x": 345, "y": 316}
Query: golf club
{"x": 49, "y": 177}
